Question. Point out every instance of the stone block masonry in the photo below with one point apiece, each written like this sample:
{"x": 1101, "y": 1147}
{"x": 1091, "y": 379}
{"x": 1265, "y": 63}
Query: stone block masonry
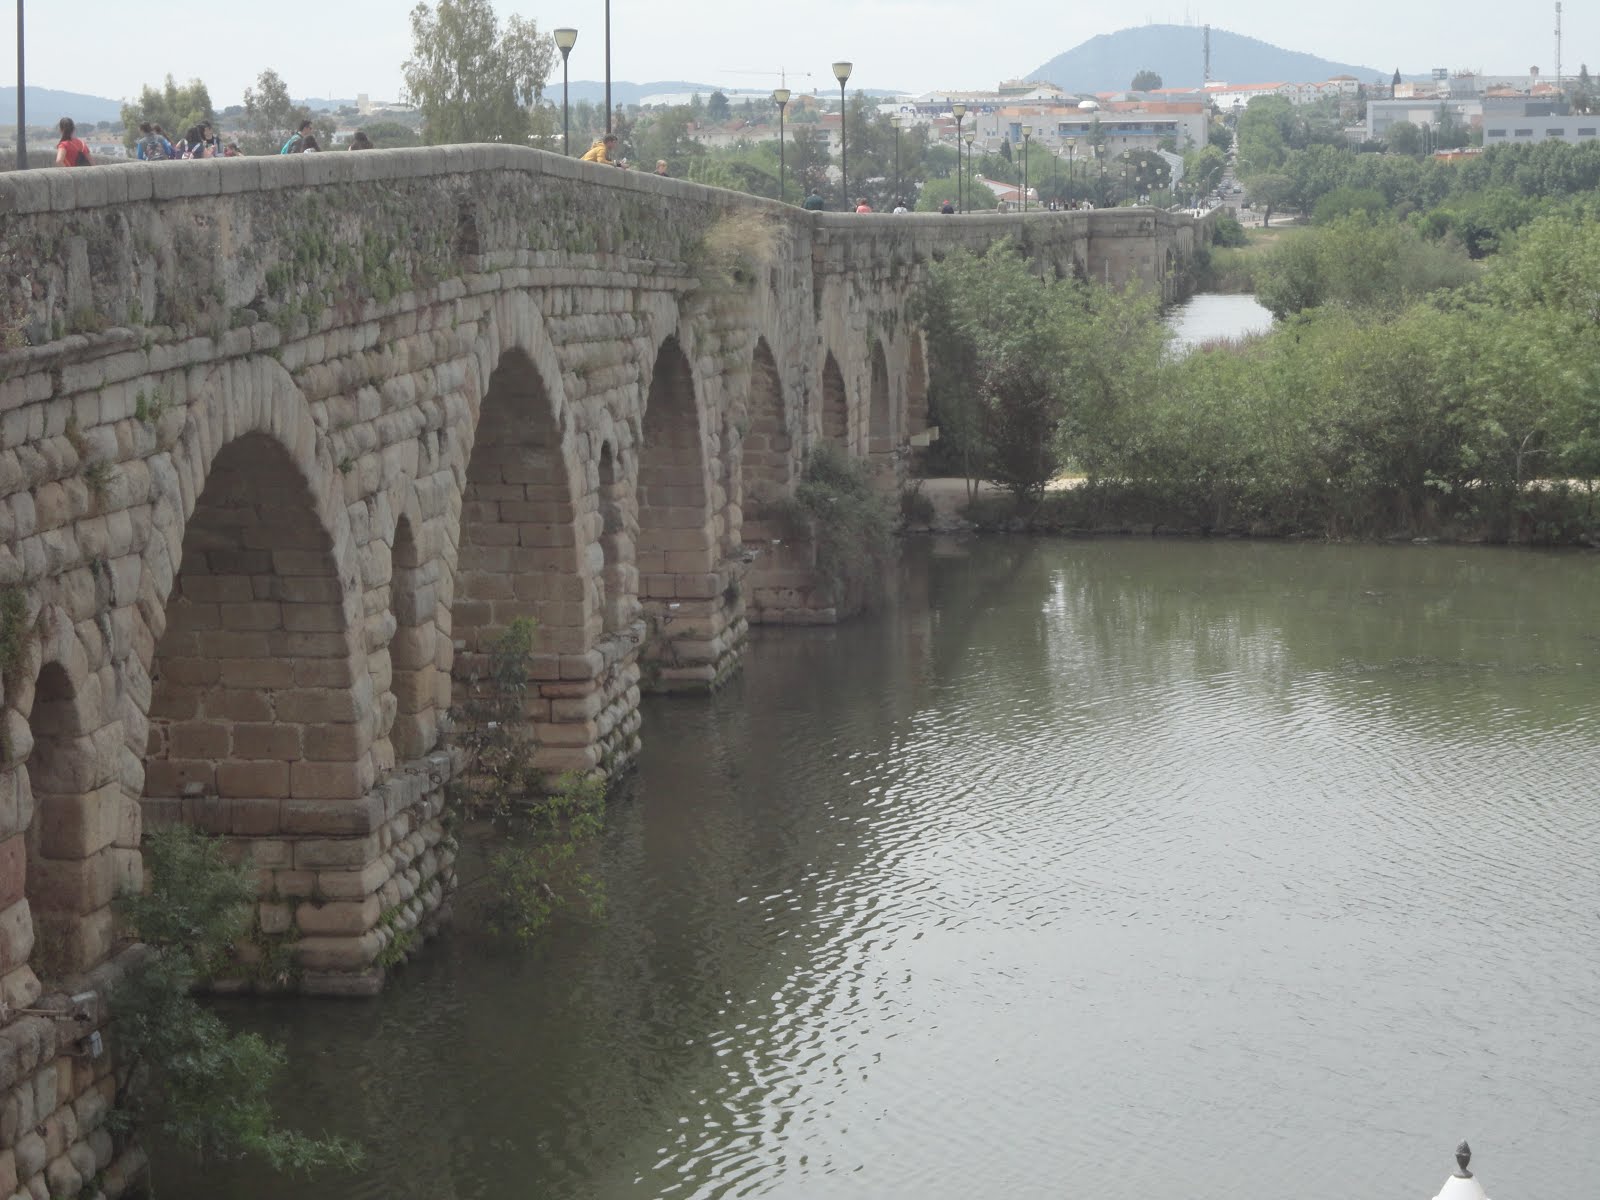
{"x": 286, "y": 443}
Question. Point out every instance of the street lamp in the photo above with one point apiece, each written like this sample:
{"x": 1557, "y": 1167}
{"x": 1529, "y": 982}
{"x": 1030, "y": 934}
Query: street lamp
{"x": 608, "y": 66}
{"x": 969, "y": 137}
{"x": 841, "y": 72}
{"x": 780, "y": 97}
{"x": 565, "y": 40}
{"x": 1072, "y": 143}
{"x": 22, "y": 107}
{"x": 895, "y": 121}
{"x": 958, "y": 111}
{"x": 1027, "y": 132}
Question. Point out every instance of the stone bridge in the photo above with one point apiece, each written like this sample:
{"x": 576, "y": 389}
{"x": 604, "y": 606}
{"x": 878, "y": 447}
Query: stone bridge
{"x": 285, "y": 442}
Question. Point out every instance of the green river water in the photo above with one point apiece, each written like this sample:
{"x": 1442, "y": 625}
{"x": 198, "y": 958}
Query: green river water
{"x": 1104, "y": 869}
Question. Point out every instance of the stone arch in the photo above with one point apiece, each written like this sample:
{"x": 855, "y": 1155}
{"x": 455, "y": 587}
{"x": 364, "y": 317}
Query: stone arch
{"x": 517, "y": 554}
{"x": 880, "y": 408}
{"x": 618, "y": 577}
{"x": 259, "y": 694}
{"x": 414, "y": 649}
{"x": 676, "y": 533}
{"x": 916, "y": 387}
{"x": 767, "y": 458}
{"x": 81, "y": 818}
{"x": 835, "y": 405}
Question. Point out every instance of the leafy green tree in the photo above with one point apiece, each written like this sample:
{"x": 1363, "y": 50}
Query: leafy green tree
{"x": 178, "y": 1068}
{"x": 1145, "y": 81}
{"x": 270, "y": 116}
{"x": 1270, "y": 191}
{"x": 389, "y": 134}
{"x": 717, "y": 107}
{"x": 1203, "y": 169}
{"x": 474, "y": 80}
{"x": 1346, "y": 200}
{"x": 173, "y": 108}
{"x": 1405, "y": 138}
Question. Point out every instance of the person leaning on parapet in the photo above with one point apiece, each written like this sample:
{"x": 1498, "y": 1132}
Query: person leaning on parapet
{"x": 948, "y": 208}
{"x": 360, "y": 141}
{"x": 70, "y": 150}
{"x": 862, "y": 206}
{"x": 600, "y": 152}
{"x": 661, "y": 167}
{"x": 813, "y": 202}
{"x": 297, "y": 139}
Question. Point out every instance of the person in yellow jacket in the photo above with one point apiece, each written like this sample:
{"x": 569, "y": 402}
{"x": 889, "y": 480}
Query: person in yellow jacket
{"x": 600, "y": 152}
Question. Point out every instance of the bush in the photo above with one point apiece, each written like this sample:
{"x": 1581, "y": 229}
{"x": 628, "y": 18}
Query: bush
{"x": 851, "y": 525}
{"x": 1226, "y": 231}
{"x": 178, "y": 1068}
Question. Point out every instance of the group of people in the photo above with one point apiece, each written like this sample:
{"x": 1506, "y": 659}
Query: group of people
{"x": 200, "y": 141}
{"x": 602, "y": 149}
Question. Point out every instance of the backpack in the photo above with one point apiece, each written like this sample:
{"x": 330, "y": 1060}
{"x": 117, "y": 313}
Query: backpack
{"x": 77, "y": 152}
{"x": 292, "y": 146}
{"x": 152, "y": 148}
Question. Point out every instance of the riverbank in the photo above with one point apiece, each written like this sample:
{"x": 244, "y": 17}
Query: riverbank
{"x": 1555, "y": 515}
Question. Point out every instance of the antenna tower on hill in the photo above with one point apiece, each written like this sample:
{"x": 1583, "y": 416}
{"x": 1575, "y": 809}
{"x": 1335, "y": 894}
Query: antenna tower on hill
{"x": 1207, "y": 73}
{"x": 1558, "y": 47}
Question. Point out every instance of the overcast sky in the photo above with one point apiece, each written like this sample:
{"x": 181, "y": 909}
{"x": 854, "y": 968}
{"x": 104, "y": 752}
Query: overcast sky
{"x": 344, "y": 47}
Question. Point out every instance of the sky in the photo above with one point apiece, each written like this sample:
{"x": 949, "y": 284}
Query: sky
{"x": 112, "y": 47}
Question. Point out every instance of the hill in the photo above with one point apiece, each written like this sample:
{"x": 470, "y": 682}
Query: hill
{"x": 46, "y": 106}
{"x": 1108, "y": 62}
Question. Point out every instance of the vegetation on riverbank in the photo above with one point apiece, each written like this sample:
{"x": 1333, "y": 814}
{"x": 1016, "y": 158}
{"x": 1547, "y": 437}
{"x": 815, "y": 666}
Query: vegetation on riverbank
{"x": 852, "y": 526}
{"x": 1409, "y": 393}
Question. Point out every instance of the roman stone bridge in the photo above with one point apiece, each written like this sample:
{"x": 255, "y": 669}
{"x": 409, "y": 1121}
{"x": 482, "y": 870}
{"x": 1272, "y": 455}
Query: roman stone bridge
{"x": 285, "y": 442}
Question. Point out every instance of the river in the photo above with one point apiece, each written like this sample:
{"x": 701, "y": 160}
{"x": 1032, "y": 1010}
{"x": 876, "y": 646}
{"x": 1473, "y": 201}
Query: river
{"x": 1115, "y": 869}
{"x": 1215, "y": 316}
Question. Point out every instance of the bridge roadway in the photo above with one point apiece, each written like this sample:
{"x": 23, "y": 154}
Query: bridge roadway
{"x": 284, "y": 442}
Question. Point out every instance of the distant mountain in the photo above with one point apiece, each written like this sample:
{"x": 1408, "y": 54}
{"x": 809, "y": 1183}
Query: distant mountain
{"x": 46, "y": 106}
{"x": 1109, "y": 62}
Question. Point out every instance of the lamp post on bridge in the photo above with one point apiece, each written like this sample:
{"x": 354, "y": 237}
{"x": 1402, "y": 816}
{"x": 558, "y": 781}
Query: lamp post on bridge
{"x": 780, "y": 97}
{"x": 958, "y": 111}
{"x": 1072, "y": 144}
{"x": 22, "y": 104}
{"x": 1027, "y": 132}
{"x": 969, "y": 139}
{"x": 895, "y": 120}
{"x": 841, "y": 72}
{"x": 565, "y": 40}
{"x": 608, "y": 66}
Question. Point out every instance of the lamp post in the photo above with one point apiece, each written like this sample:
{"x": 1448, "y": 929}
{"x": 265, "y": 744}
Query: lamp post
{"x": 1027, "y": 132}
{"x": 22, "y": 106}
{"x": 1072, "y": 144}
{"x": 958, "y": 111}
{"x": 841, "y": 72}
{"x": 780, "y": 97}
{"x": 895, "y": 121}
{"x": 608, "y": 66}
{"x": 970, "y": 136}
{"x": 565, "y": 40}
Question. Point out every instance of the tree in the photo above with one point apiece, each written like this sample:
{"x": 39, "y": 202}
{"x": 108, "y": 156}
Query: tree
{"x": 270, "y": 116}
{"x": 717, "y": 107}
{"x": 386, "y": 135}
{"x": 1270, "y": 192}
{"x": 1145, "y": 81}
{"x": 472, "y": 80}
{"x": 1405, "y": 138}
{"x": 173, "y": 108}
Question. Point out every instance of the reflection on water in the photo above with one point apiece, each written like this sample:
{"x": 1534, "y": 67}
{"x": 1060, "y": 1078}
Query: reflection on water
{"x": 1210, "y": 316}
{"x": 1113, "y": 868}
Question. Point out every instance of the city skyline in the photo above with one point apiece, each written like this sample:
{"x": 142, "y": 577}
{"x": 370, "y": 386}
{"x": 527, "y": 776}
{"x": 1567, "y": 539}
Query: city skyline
{"x": 116, "y": 49}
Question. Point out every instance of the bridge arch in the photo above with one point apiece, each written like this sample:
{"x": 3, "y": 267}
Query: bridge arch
{"x": 767, "y": 451}
{"x": 676, "y": 541}
{"x": 517, "y": 548}
{"x": 835, "y": 412}
{"x": 881, "y": 439}
{"x": 260, "y": 693}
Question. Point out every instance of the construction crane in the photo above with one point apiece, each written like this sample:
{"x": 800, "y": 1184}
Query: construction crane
{"x": 783, "y": 75}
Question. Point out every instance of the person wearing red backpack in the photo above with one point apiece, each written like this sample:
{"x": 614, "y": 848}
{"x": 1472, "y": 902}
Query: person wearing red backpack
{"x": 70, "y": 150}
